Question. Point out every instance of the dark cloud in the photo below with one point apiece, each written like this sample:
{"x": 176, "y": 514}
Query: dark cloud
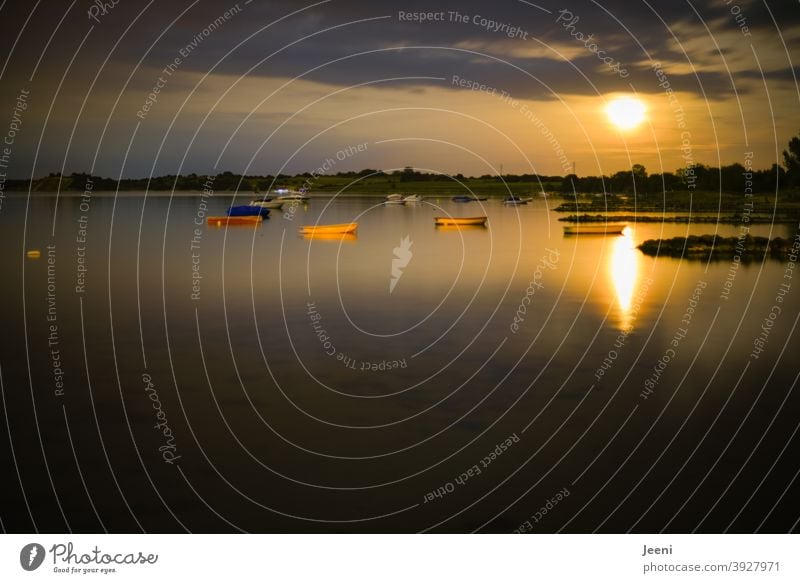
{"x": 344, "y": 43}
{"x": 631, "y": 32}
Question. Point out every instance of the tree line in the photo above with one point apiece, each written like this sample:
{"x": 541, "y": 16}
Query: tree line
{"x": 733, "y": 178}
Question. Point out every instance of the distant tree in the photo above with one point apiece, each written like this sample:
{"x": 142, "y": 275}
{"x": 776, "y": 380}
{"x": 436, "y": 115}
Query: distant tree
{"x": 408, "y": 174}
{"x": 621, "y": 181}
{"x": 639, "y": 178}
{"x": 733, "y": 178}
{"x": 770, "y": 177}
{"x": 791, "y": 159}
{"x": 571, "y": 184}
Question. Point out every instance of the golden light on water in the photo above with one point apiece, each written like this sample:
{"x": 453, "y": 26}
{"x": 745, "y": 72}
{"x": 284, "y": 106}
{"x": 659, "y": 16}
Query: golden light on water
{"x": 626, "y": 113}
{"x": 624, "y": 273}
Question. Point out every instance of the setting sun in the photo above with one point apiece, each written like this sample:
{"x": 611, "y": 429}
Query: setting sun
{"x": 626, "y": 112}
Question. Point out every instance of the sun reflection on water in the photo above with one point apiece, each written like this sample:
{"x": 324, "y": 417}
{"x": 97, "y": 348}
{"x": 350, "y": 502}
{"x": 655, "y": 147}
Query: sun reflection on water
{"x": 624, "y": 273}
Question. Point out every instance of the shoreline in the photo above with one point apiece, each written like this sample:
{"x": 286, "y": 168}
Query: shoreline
{"x": 688, "y": 219}
{"x": 713, "y": 247}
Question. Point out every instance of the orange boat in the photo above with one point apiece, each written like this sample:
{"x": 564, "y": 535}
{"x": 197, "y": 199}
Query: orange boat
{"x": 227, "y": 221}
{"x": 341, "y": 229}
{"x": 459, "y": 221}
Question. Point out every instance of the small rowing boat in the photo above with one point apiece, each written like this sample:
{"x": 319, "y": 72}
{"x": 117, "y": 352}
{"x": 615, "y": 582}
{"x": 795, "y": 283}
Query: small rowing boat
{"x": 459, "y": 221}
{"x": 595, "y": 229}
{"x": 413, "y": 198}
{"x": 341, "y": 229}
{"x": 228, "y": 221}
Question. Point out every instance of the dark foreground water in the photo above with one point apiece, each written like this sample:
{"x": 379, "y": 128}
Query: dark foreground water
{"x": 160, "y": 375}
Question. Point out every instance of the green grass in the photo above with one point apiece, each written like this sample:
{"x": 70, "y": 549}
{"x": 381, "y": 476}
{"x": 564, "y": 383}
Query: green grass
{"x": 382, "y": 185}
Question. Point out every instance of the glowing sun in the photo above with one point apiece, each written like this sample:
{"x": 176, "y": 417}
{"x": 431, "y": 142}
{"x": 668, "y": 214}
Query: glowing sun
{"x": 626, "y": 112}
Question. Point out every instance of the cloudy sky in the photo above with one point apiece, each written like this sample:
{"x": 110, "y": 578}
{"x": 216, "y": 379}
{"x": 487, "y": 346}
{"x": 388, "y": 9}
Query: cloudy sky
{"x": 278, "y": 86}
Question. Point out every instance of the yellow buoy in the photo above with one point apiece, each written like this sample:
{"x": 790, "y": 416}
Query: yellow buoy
{"x": 33, "y": 254}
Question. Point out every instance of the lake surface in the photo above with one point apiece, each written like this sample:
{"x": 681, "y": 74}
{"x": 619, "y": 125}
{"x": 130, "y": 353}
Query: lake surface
{"x": 162, "y": 375}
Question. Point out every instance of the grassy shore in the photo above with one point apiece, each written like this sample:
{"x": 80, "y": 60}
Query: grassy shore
{"x": 383, "y": 185}
{"x": 787, "y": 204}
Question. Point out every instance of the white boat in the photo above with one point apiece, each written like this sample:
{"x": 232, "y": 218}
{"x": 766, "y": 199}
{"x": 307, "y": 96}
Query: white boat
{"x": 394, "y": 199}
{"x": 515, "y": 200}
{"x": 267, "y": 203}
{"x": 413, "y": 198}
{"x": 291, "y": 195}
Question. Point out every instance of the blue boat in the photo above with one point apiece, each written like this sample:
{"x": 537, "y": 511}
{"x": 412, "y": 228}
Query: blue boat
{"x": 471, "y": 198}
{"x": 248, "y": 211}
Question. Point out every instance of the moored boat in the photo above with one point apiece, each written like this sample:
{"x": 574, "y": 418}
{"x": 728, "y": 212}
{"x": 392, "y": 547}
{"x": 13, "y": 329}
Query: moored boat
{"x": 267, "y": 203}
{"x": 413, "y": 198}
{"x": 514, "y": 200}
{"x": 459, "y": 221}
{"x": 469, "y": 198}
{"x": 339, "y": 229}
{"x": 295, "y": 196}
{"x": 227, "y": 221}
{"x": 248, "y": 211}
{"x": 394, "y": 199}
{"x": 595, "y": 229}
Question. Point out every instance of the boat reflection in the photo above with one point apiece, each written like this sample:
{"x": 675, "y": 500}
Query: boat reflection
{"x": 462, "y": 228}
{"x": 623, "y": 269}
{"x": 342, "y": 237}
{"x": 460, "y": 221}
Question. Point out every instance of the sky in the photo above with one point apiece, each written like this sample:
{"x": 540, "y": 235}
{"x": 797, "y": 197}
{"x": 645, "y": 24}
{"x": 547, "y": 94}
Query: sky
{"x": 132, "y": 89}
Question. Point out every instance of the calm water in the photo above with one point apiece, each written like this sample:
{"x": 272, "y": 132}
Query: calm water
{"x": 288, "y": 389}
